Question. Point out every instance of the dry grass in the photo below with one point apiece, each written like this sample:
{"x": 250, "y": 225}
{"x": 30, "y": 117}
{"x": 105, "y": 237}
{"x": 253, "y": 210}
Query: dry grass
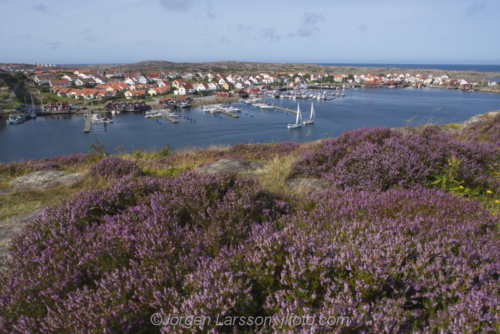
{"x": 276, "y": 172}
{"x": 19, "y": 202}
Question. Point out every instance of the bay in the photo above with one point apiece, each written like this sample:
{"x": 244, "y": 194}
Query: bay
{"x": 59, "y": 135}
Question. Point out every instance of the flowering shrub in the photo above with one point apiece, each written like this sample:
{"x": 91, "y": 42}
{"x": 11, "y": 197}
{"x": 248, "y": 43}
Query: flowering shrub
{"x": 206, "y": 245}
{"x": 379, "y": 159}
{"x": 106, "y": 260}
{"x": 114, "y": 167}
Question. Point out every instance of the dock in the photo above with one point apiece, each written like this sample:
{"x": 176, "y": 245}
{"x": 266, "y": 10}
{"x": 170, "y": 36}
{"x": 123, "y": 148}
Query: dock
{"x": 88, "y": 123}
{"x": 229, "y": 114}
{"x": 171, "y": 119}
{"x": 286, "y": 109}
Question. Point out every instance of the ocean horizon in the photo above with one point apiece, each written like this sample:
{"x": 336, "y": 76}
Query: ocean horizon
{"x": 444, "y": 67}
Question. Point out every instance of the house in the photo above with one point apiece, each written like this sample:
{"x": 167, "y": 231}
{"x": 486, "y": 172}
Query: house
{"x": 70, "y": 77}
{"x": 105, "y": 94}
{"x": 212, "y": 86}
{"x": 56, "y": 106}
{"x": 87, "y": 93}
{"x": 82, "y": 82}
{"x": 100, "y": 79}
{"x": 55, "y": 89}
{"x": 134, "y": 93}
{"x": 177, "y": 83}
{"x": 186, "y": 89}
{"x": 62, "y": 82}
{"x": 164, "y": 82}
{"x": 188, "y": 76}
{"x": 143, "y": 80}
{"x": 130, "y": 80}
{"x": 118, "y": 86}
{"x": 42, "y": 79}
{"x": 134, "y": 75}
{"x": 63, "y": 91}
{"x": 115, "y": 74}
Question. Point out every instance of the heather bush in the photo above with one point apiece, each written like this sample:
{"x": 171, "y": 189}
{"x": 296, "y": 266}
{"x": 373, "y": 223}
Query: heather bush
{"x": 114, "y": 167}
{"x": 106, "y": 260}
{"x": 393, "y": 262}
{"x": 379, "y": 159}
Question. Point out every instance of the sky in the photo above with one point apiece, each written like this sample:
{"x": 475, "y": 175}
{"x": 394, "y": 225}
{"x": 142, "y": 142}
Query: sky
{"x": 291, "y": 31}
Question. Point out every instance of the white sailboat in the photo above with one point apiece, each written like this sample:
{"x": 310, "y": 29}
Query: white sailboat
{"x": 311, "y": 117}
{"x": 298, "y": 121}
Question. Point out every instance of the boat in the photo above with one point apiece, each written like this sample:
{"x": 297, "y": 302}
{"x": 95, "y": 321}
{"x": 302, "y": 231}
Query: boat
{"x": 15, "y": 119}
{"x": 154, "y": 115}
{"x": 98, "y": 118}
{"x": 185, "y": 105}
{"x": 298, "y": 121}
{"x": 311, "y": 117}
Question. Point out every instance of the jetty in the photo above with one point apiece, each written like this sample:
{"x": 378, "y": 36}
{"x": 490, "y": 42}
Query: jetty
{"x": 229, "y": 113}
{"x": 88, "y": 122}
{"x": 286, "y": 109}
{"x": 170, "y": 118}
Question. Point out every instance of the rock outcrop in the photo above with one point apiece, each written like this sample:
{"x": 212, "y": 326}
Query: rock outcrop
{"x": 231, "y": 166}
{"x": 45, "y": 179}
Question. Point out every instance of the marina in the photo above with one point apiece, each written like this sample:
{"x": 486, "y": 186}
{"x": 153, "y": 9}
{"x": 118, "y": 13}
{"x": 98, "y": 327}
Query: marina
{"x": 49, "y": 136}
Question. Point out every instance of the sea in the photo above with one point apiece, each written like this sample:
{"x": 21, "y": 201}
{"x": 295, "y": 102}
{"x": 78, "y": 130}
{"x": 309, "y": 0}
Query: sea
{"x": 50, "y": 136}
{"x": 444, "y": 67}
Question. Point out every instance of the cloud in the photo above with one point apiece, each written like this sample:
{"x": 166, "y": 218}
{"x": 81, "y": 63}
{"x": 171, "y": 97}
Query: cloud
{"x": 210, "y": 14}
{"x": 309, "y": 25}
{"x": 226, "y": 40}
{"x": 53, "y": 45}
{"x": 362, "y": 27}
{"x": 41, "y": 8}
{"x": 474, "y": 8}
{"x": 90, "y": 36}
{"x": 176, "y": 5}
{"x": 270, "y": 34}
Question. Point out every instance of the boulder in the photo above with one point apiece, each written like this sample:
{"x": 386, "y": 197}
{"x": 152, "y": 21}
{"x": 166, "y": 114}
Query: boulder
{"x": 231, "y": 166}
{"x": 45, "y": 179}
{"x": 480, "y": 118}
{"x": 308, "y": 184}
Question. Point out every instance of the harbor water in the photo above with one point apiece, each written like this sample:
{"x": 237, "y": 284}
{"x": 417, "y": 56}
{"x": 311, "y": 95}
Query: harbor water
{"x": 50, "y": 136}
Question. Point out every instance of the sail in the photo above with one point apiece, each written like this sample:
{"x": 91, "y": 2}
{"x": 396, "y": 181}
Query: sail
{"x": 298, "y": 120}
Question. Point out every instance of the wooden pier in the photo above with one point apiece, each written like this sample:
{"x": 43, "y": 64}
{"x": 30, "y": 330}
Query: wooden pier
{"x": 229, "y": 114}
{"x": 88, "y": 123}
{"x": 171, "y": 119}
{"x": 285, "y": 109}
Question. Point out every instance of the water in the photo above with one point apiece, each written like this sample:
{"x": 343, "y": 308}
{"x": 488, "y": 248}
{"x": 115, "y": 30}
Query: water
{"x": 444, "y": 67}
{"x": 58, "y": 135}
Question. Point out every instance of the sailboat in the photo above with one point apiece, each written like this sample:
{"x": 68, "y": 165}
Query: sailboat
{"x": 311, "y": 117}
{"x": 298, "y": 121}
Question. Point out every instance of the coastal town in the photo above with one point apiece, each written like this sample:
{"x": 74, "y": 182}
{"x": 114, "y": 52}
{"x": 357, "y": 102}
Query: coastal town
{"x": 60, "y": 89}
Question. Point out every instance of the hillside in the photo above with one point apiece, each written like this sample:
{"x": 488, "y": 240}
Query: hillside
{"x": 255, "y": 67}
{"x": 403, "y": 237}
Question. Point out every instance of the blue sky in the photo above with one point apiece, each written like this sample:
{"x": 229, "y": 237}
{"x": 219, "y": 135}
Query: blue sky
{"x": 292, "y": 31}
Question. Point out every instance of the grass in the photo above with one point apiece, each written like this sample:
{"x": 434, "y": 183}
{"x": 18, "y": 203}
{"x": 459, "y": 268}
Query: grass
{"x": 19, "y": 202}
{"x": 276, "y": 172}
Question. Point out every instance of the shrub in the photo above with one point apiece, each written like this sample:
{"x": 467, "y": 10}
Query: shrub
{"x": 106, "y": 260}
{"x": 113, "y": 167}
{"x": 379, "y": 159}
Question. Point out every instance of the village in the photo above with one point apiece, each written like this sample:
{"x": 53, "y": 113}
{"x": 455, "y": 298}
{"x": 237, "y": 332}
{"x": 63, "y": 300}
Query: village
{"x": 64, "y": 89}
